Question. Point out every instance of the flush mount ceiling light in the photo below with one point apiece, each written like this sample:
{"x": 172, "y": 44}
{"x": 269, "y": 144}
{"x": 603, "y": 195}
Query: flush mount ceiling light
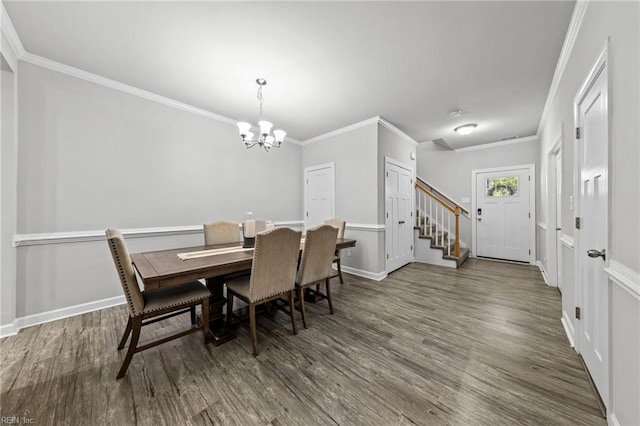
{"x": 264, "y": 139}
{"x": 465, "y": 129}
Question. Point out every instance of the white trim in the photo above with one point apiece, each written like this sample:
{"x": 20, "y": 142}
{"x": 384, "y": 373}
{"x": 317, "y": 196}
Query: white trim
{"x": 497, "y": 144}
{"x": 10, "y": 33}
{"x": 57, "y": 314}
{"x": 8, "y": 330}
{"x": 624, "y": 277}
{"x": 371, "y": 227}
{"x": 568, "y": 328}
{"x": 542, "y": 226}
{"x": 346, "y": 129}
{"x": 364, "y": 274}
{"x": 532, "y": 206}
{"x": 612, "y": 420}
{"x": 567, "y": 47}
{"x": 542, "y": 271}
{"x": 20, "y": 240}
{"x": 568, "y": 241}
{"x": 389, "y": 126}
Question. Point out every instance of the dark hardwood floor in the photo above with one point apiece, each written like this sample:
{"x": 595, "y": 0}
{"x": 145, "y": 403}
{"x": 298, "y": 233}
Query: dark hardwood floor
{"x": 428, "y": 345}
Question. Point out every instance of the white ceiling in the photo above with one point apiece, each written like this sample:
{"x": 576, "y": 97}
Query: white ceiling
{"x": 328, "y": 64}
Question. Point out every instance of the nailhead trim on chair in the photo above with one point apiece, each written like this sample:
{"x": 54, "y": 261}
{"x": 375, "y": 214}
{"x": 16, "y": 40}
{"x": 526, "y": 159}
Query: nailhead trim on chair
{"x": 123, "y": 276}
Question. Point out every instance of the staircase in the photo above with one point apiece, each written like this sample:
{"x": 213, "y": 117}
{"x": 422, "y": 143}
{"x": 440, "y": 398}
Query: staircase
{"x": 437, "y": 228}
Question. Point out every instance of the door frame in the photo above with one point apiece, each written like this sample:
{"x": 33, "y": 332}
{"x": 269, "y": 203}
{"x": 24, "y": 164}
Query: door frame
{"x": 554, "y": 263}
{"x": 532, "y": 206}
{"x": 387, "y": 161}
{"x": 601, "y": 64}
{"x": 306, "y": 171}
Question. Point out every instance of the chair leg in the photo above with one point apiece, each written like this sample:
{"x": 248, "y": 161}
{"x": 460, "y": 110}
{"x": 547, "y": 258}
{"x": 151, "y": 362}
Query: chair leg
{"x": 340, "y": 272}
{"x": 125, "y": 336}
{"x": 136, "y": 326}
{"x": 229, "y": 306}
{"x": 301, "y": 297}
{"x": 328, "y": 285}
{"x": 292, "y": 308}
{"x": 254, "y": 332}
{"x": 205, "y": 319}
{"x": 193, "y": 315}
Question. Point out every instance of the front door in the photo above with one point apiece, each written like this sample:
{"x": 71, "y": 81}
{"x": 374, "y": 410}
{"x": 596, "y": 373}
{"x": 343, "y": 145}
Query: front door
{"x": 503, "y": 214}
{"x": 592, "y": 150}
{"x": 318, "y": 194}
{"x": 398, "y": 215}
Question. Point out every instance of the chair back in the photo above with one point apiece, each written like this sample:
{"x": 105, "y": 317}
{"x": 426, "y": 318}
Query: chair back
{"x": 317, "y": 255}
{"x": 127, "y": 275}
{"x": 275, "y": 259}
{"x": 337, "y": 223}
{"x": 221, "y": 232}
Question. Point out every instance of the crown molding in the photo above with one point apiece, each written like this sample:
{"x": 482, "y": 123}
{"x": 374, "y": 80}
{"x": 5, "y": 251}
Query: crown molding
{"x": 388, "y": 125}
{"x": 497, "y": 144}
{"x": 567, "y": 47}
{"x": 10, "y": 33}
{"x": 347, "y": 129}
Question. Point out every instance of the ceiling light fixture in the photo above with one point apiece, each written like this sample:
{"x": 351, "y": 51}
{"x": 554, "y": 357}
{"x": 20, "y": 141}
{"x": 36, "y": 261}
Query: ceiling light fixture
{"x": 264, "y": 139}
{"x": 465, "y": 129}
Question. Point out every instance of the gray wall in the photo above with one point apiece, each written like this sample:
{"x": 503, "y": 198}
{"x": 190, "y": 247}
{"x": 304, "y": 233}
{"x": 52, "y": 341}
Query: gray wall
{"x": 355, "y": 155}
{"x": 450, "y": 171}
{"x": 91, "y": 157}
{"x": 621, "y": 22}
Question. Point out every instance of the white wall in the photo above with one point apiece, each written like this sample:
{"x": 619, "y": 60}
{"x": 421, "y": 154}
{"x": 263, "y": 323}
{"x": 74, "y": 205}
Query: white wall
{"x": 621, "y": 22}
{"x": 450, "y": 171}
{"x": 91, "y": 157}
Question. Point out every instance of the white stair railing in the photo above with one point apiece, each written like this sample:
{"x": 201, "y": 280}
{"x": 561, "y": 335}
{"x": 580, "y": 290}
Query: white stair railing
{"x": 435, "y": 221}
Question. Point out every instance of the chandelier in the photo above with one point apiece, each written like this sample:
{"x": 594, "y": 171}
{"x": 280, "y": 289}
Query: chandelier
{"x": 265, "y": 139}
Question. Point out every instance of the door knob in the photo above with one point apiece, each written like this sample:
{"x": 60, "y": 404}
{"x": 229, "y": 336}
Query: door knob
{"x": 401, "y": 222}
{"x": 558, "y": 229}
{"x": 595, "y": 253}
{"x": 479, "y": 219}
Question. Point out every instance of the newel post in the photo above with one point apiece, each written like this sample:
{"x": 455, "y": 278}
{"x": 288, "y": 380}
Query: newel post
{"x": 457, "y": 243}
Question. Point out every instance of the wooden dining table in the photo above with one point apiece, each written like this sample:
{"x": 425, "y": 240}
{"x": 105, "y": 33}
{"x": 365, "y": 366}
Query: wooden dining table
{"x": 164, "y": 268}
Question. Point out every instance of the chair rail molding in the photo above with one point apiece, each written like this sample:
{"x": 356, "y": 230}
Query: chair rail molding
{"x": 567, "y": 241}
{"x": 624, "y": 277}
{"x": 20, "y": 240}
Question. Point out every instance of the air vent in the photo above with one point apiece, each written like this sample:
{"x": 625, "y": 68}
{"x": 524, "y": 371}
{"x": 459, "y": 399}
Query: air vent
{"x": 508, "y": 138}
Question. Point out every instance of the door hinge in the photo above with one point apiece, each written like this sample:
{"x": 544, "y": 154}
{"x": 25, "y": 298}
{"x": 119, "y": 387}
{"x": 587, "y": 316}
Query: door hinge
{"x": 387, "y": 215}
{"x": 529, "y": 177}
{"x": 307, "y": 214}
{"x": 529, "y": 215}
{"x": 307, "y": 181}
{"x": 387, "y": 255}
{"x": 577, "y": 132}
{"x": 577, "y": 312}
{"x": 387, "y": 174}
{"x": 411, "y": 247}
{"x": 578, "y": 223}
{"x": 529, "y": 252}
{"x": 411, "y": 214}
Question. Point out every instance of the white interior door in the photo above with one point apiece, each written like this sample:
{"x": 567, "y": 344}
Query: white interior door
{"x": 503, "y": 215}
{"x": 319, "y": 192}
{"x": 398, "y": 215}
{"x": 592, "y": 149}
{"x": 558, "y": 213}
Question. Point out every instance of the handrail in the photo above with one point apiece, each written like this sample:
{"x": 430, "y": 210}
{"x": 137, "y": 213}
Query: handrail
{"x": 445, "y": 196}
{"x": 455, "y": 211}
{"x": 435, "y": 197}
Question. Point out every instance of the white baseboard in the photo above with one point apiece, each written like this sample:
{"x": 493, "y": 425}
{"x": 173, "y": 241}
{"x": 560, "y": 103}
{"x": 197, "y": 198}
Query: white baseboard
{"x": 364, "y": 274}
{"x": 543, "y": 272}
{"x": 612, "y": 420}
{"x": 568, "y": 328}
{"x": 31, "y": 320}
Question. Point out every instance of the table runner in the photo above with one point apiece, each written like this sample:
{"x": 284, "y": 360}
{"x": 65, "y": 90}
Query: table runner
{"x": 212, "y": 252}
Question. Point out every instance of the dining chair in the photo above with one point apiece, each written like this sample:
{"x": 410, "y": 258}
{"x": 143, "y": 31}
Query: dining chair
{"x": 340, "y": 225}
{"x": 315, "y": 266}
{"x": 222, "y": 232}
{"x": 149, "y": 306}
{"x": 273, "y": 274}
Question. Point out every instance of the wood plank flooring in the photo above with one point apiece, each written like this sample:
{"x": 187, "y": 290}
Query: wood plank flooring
{"x": 426, "y": 346}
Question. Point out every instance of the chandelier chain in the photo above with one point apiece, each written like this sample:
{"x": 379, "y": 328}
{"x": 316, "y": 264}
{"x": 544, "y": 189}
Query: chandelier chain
{"x": 260, "y": 99}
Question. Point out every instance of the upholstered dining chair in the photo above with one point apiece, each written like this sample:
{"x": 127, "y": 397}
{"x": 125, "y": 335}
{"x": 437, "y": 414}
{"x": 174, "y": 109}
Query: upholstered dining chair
{"x": 222, "y": 232}
{"x": 273, "y": 274}
{"x": 315, "y": 266}
{"x": 340, "y": 225}
{"x": 146, "y": 307}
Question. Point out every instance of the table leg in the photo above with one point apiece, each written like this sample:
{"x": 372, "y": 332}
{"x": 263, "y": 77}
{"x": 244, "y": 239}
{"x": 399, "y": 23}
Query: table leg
{"x": 220, "y": 332}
